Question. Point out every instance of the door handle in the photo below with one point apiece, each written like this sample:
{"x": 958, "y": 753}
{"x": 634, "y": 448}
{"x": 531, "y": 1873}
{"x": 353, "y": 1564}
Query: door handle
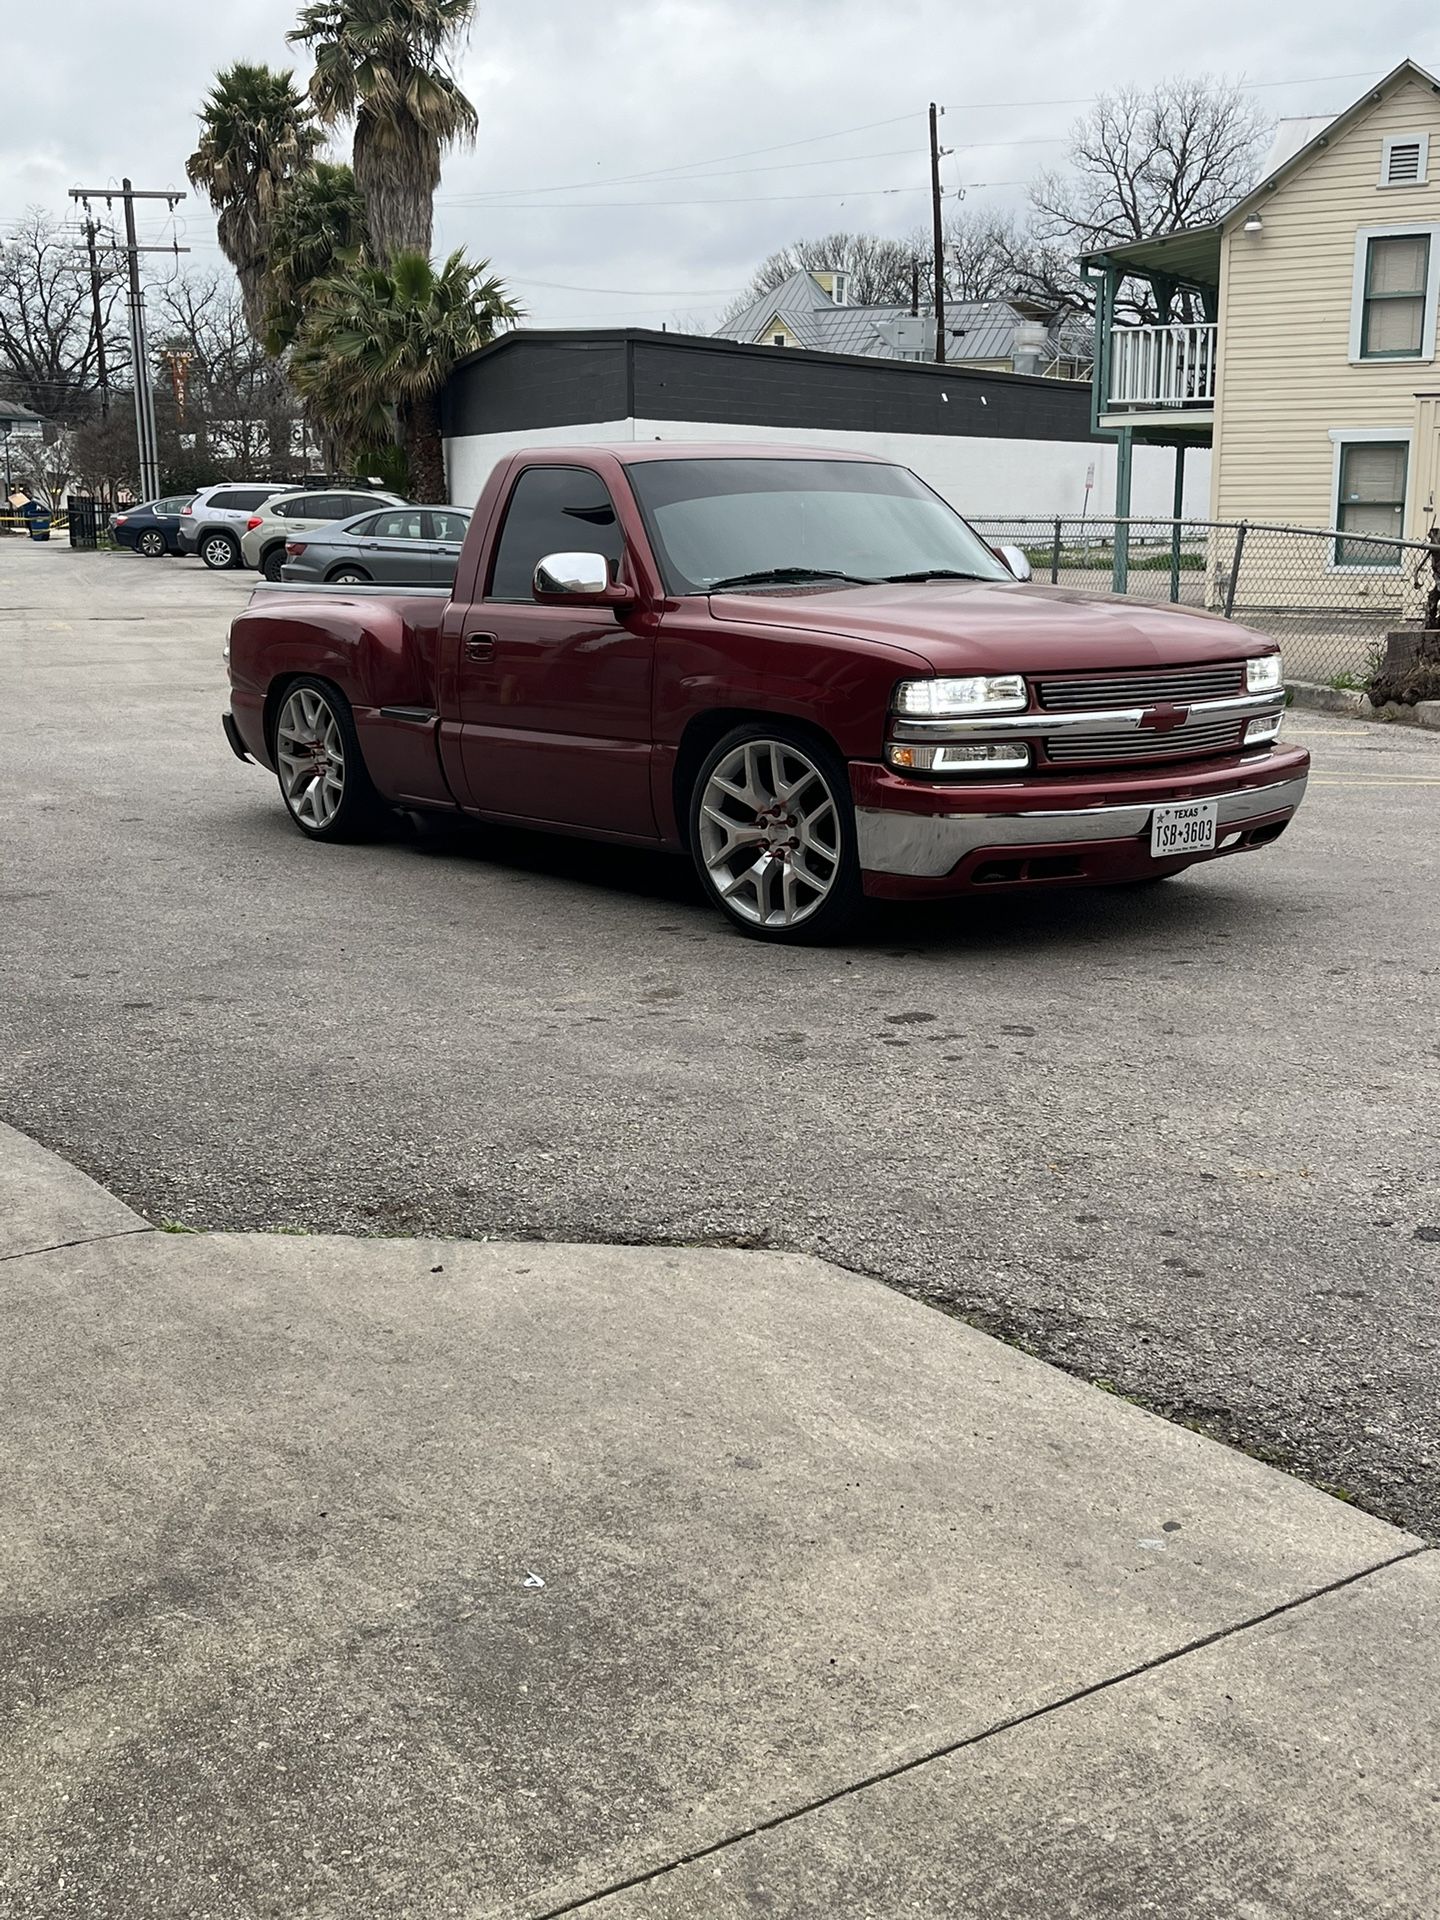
{"x": 480, "y": 646}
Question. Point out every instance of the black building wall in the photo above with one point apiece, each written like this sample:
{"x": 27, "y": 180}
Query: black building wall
{"x": 533, "y": 380}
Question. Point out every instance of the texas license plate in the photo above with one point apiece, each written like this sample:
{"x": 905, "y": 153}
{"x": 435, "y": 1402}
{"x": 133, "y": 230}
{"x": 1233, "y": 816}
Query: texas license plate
{"x": 1187, "y": 829}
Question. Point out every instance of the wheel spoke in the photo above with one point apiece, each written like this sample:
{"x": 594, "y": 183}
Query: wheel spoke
{"x": 769, "y": 833}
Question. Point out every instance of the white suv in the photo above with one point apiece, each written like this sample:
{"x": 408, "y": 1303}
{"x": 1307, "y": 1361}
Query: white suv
{"x": 215, "y": 519}
{"x": 284, "y": 515}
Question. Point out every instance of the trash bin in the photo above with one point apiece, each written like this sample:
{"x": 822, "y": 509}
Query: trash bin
{"x": 40, "y": 526}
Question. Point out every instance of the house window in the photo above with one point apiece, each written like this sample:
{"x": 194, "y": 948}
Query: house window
{"x": 1370, "y": 499}
{"x": 1405, "y": 160}
{"x": 1397, "y": 276}
{"x": 777, "y": 340}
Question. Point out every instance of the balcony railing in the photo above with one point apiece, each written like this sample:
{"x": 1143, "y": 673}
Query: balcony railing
{"x": 1170, "y": 366}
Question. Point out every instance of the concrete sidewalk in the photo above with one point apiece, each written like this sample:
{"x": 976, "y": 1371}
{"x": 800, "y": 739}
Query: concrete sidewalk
{"x": 392, "y": 1578}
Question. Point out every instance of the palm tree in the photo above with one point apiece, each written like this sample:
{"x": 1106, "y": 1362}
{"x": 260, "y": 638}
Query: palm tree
{"x": 319, "y": 226}
{"x": 256, "y": 133}
{"x": 386, "y": 64}
{"x": 379, "y": 342}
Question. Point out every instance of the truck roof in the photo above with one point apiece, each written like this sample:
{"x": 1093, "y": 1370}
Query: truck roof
{"x": 631, "y": 452}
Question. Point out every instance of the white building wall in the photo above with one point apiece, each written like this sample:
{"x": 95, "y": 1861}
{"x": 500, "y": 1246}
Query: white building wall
{"x": 980, "y": 477}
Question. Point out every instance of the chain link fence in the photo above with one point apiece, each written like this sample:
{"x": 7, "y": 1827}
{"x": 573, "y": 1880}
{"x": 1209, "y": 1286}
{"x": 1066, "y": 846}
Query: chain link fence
{"x": 1329, "y": 598}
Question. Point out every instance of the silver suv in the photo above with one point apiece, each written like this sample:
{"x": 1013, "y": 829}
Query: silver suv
{"x": 214, "y": 521}
{"x": 301, "y": 510}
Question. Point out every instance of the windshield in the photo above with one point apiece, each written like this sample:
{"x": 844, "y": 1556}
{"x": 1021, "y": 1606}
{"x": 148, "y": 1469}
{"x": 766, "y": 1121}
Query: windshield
{"x": 739, "y": 522}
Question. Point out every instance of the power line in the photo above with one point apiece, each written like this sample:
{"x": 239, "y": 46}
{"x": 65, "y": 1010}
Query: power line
{"x": 839, "y": 133}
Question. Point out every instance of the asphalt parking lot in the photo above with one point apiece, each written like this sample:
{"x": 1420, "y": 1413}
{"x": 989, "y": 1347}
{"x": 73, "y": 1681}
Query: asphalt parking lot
{"x": 1185, "y": 1142}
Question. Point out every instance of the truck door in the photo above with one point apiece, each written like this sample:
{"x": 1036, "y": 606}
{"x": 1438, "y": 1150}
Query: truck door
{"x": 554, "y": 702}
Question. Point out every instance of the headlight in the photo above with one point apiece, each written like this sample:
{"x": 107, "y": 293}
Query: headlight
{"x": 947, "y": 699}
{"x": 1264, "y": 675}
{"x": 961, "y": 756}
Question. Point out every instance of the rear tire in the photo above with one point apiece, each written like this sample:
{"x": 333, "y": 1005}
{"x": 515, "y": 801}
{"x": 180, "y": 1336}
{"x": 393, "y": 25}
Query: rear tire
{"x": 772, "y": 834}
{"x": 348, "y": 577}
{"x": 324, "y": 783}
{"x": 272, "y": 563}
{"x": 219, "y": 551}
{"x": 151, "y": 544}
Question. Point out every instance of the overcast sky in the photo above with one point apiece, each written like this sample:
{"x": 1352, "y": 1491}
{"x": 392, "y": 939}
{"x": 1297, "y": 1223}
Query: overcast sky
{"x": 636, "y": 160}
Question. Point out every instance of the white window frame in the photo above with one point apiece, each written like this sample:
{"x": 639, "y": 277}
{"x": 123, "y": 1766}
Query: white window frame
{"x": 1403, "y": 230}
{"x": 1405, "y": 140}
{"x": 1341, "y": 437}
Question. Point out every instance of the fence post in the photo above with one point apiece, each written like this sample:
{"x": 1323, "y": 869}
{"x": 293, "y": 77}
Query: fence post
{"x": 1055, "y": 557}
{"x": 1179, "y": 514}
{"x": 1234, "y": 581}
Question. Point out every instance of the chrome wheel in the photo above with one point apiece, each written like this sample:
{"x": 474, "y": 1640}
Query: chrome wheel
{"x": 218, "y": 552}
{"x": 770, "y": 833}
{"x": 310, "y": 754}
{"x": 152, "y": 545}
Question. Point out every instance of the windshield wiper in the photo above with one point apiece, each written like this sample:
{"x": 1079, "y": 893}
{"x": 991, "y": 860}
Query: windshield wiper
{"x": 786, "y": 576}
{"x": 931, "y": 573}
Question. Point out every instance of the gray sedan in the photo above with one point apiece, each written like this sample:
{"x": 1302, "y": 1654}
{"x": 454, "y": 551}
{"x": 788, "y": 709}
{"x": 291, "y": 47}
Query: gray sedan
{"x": 399, "y": 547}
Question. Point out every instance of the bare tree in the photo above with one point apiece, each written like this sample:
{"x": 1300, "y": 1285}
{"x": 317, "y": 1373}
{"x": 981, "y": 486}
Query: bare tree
{"x": 48, "y": 348}
{"x": 1141, "y": 163}
{"x": 879, "y": 268}
{"x": 224, "y": 400}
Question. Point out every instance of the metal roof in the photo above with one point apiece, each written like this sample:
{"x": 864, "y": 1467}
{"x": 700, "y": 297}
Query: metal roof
{"x": 975, "y": 329}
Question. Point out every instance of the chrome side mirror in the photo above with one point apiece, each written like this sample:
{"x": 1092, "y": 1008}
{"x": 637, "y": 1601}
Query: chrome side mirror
{"x": 1014, "y": 558}
{"x": 567, "y": 576}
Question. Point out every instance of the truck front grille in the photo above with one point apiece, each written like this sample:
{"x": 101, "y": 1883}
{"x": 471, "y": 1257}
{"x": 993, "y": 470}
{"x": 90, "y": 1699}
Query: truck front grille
{"x": 1128, "y": 743}
{"x": 1148, "y": 687}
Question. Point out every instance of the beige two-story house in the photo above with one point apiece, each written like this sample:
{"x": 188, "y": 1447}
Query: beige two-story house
{"x": 1305, "y": 353}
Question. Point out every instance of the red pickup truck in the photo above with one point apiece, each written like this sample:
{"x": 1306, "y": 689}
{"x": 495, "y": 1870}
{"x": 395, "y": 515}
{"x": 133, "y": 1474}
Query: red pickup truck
{"x": 806, "y": 670}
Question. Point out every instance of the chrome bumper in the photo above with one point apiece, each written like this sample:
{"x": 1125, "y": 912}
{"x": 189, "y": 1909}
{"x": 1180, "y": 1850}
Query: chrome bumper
{"x": 929, "y": 845}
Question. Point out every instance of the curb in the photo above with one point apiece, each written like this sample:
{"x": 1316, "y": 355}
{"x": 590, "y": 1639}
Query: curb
{"x": 1307, "y": 693}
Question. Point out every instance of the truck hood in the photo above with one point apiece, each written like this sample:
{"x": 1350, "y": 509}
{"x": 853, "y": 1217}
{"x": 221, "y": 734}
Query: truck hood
{"x": 988, "y": 626}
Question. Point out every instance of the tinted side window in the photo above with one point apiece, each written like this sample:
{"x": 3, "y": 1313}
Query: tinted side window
{"x": 177, "y": 504}
{"x": 552, "y": 510}
{"x": 362, "y": 529}
{"x": 448, "y": 526}
{"x": 239, "y": 499}
{"x": 301, "y": 508}
{"x": 353, "y": 502}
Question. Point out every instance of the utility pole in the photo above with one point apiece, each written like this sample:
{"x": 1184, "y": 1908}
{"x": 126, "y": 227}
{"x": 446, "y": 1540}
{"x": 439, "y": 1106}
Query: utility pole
{"x": 145, "y": 437}
{"x": 939, "y": 234}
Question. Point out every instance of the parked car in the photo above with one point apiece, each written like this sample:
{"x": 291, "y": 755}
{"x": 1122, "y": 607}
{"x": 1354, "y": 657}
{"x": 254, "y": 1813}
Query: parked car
{"x": 805, "y": 670}
{"x": 295, "y": 511}
{"x": 153, "y": 528}
{"x": 214, "y": 521}
{"x": 402, "y": 547}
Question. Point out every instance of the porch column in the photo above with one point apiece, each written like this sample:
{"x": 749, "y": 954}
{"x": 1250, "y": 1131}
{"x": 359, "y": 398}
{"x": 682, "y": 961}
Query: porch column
{"x": 1120, "y": 568}
{"x": 1178, "y": 516}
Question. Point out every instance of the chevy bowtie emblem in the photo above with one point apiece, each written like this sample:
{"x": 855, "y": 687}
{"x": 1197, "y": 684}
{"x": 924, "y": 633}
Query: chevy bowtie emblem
{"x": 1164, "y": 719}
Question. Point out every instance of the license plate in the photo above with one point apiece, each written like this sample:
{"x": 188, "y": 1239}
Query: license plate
{"x": 1187, "y": 829}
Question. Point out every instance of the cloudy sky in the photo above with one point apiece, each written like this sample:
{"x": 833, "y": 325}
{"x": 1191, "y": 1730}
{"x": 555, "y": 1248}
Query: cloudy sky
{"x": 637, "y": 159}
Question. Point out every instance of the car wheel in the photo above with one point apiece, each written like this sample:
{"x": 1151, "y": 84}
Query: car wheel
{"x": 220, "y": 550}
{"x": 772, "y": 832}
{"x": 272, "y": 563}
{"x": 323, "y": 779}
{"x": 152, "y": 545}
{"x": 348, "y": 577}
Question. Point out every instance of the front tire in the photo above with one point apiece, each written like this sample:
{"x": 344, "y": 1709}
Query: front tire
{"x": 324, "y": 783}
{"x": 219, "y": 551}
{"x": 151, "y": 545}
{"x": 772, "y": 833}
